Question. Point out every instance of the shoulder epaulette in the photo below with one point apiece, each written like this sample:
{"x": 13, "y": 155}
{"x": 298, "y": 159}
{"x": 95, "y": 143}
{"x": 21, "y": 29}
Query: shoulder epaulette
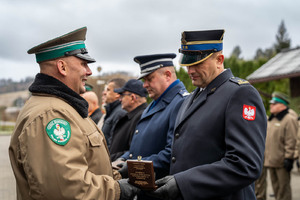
{"x": 238, "y": 80}
{"x": 184, "y": 93}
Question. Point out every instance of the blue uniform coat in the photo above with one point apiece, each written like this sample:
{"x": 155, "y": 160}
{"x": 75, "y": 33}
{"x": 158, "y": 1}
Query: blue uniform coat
{"x": 154, "y": 132}
{"x": 219, "y": 141}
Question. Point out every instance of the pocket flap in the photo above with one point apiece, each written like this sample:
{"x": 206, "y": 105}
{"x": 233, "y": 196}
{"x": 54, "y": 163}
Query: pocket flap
{"x": 95, "y": 139}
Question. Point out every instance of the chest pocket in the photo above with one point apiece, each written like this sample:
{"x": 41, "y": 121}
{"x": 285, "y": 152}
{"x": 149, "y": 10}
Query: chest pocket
{"x": 96, "y": 139}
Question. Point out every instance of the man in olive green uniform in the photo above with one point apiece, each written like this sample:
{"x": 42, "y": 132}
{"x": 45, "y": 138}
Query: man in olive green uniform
{"x": 280, "y": 145}
{"x": 56, "y": 151}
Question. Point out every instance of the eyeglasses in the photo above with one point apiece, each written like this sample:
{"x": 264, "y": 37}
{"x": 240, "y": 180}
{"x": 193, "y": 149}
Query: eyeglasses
{"x": 127, "y": 94}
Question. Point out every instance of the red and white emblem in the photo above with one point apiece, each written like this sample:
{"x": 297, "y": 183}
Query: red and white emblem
{"x": 249, "y": 112}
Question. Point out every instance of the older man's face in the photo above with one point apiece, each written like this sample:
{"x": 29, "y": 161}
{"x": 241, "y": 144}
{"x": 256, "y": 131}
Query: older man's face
{"x": 155, "y": 83}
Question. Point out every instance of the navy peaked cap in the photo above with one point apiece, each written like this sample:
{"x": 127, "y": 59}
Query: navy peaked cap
{"x": 150, "y": 63}
{"x": 197, "y": 46}
{"x": 134, "y": 86}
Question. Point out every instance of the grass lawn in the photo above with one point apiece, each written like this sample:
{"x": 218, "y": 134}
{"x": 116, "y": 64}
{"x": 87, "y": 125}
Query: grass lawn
{"x": 6, "y": 130}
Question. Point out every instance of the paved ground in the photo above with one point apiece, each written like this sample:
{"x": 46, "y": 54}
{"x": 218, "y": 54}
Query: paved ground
{"x": 7, "y": 180}
{"x": 8, "y": 188}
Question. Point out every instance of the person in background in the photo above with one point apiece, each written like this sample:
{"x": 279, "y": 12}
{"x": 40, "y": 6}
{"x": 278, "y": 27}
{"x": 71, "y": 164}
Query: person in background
{"x": 93, "y": 109}
{"x": 88, "y": 87}
{"x": 280, "y": 145}
{"x": 220, "y": 129}
{"x": 103, "y": 104}
{"x": 113, "y": 108}
{"x": 133, "y": 100}
{"x": 56, "y": 150}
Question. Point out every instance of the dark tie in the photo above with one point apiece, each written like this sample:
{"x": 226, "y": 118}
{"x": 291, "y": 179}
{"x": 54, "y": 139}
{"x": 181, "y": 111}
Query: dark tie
{"x": 196, "y": 96}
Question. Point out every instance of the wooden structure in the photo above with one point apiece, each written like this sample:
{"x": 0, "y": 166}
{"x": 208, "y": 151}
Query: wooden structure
{"x": 285, "y": 64}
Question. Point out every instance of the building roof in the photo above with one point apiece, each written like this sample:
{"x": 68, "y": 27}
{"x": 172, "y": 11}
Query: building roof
{"x": 285, "y": 64}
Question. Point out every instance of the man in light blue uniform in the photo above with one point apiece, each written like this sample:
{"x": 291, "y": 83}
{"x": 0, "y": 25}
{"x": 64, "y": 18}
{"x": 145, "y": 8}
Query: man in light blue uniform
{"x": 154, "y": 132}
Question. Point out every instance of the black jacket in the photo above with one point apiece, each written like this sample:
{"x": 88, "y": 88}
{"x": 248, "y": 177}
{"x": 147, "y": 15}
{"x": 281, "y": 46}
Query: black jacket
{"x": 123, "y": 131}
{"x": 219, "y": 141}
{"x": 96, "y": 115}
{"x": 113, "y": 113}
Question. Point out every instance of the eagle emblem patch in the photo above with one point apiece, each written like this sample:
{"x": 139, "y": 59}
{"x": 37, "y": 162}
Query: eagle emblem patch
{"x": 249, "y": 112}
{"x": 59, "y": 131}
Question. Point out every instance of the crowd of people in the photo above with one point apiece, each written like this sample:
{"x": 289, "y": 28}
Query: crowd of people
{"x": 214, "y": 143}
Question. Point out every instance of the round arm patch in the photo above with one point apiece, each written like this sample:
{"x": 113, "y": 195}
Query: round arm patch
{"x": 59, "y": 131}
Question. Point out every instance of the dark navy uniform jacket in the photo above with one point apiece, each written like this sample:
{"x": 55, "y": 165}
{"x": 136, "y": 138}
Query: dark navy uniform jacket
{"x": 219, "y": 141}
{"x": 154, "y": 132}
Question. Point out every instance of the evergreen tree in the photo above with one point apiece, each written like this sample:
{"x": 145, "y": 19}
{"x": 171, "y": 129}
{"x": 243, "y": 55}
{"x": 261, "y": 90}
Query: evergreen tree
{"x": 264, "y": 54}
{"x": 184, "y": 77}
{"x": 282, "y": 39}
{"x": 236, "y": 52}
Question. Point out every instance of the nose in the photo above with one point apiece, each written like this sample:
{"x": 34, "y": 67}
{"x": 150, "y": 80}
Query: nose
{"x": 190, "y": 69}
{"x": 145, "y": 84}
{"x": 88, "y": 71}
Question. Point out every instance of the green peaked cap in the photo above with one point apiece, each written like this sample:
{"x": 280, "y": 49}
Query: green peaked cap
{"x": 70, "y": 44}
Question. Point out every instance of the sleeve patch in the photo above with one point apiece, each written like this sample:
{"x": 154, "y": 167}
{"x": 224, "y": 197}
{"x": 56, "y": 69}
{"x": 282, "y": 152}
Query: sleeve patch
{"x": 59, "y": 131}
{"x": 249, "y": 112}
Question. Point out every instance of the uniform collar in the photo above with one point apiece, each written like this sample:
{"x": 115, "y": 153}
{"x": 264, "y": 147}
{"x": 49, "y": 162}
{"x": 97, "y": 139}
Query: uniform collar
{"x": 44, "y": 84}
{"x": 137, "y": 109}
{"x": 111, "y": 106}
{"x": 280, "y": 115}
{"x": 219, "y": 80}
{"x": 164, "y": 94}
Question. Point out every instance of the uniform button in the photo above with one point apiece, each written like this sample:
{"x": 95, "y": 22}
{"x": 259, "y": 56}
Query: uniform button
{"x": 177, "y": 135}
{"x": 130, "y": 155}
{"x": 173, "y": 159}
{"x": 136, "y": 131}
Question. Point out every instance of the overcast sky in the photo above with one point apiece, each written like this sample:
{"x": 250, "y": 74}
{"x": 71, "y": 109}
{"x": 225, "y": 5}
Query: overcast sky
{"x": 119, "y": 30}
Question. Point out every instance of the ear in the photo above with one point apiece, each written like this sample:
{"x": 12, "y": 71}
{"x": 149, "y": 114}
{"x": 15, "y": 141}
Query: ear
{"x": 220, "y": 59}
{"x": 118, "y": 96}
{"x": 133, "y": 97}
{"x": 62, "y": 67}
{"x": 168, "y": 74}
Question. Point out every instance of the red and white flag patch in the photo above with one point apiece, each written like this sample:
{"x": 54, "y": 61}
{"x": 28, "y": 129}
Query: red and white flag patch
{"x": 249, "y": 112}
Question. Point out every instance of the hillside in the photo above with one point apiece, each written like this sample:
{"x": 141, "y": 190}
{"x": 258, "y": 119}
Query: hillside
{"x": 8, "y": 99}
{"x": 8, "y": 85}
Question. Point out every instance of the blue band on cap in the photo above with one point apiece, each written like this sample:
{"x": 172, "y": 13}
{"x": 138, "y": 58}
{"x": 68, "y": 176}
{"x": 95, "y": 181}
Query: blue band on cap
{"x": 57, "y": 52}
{"x": 202, "y": 47}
